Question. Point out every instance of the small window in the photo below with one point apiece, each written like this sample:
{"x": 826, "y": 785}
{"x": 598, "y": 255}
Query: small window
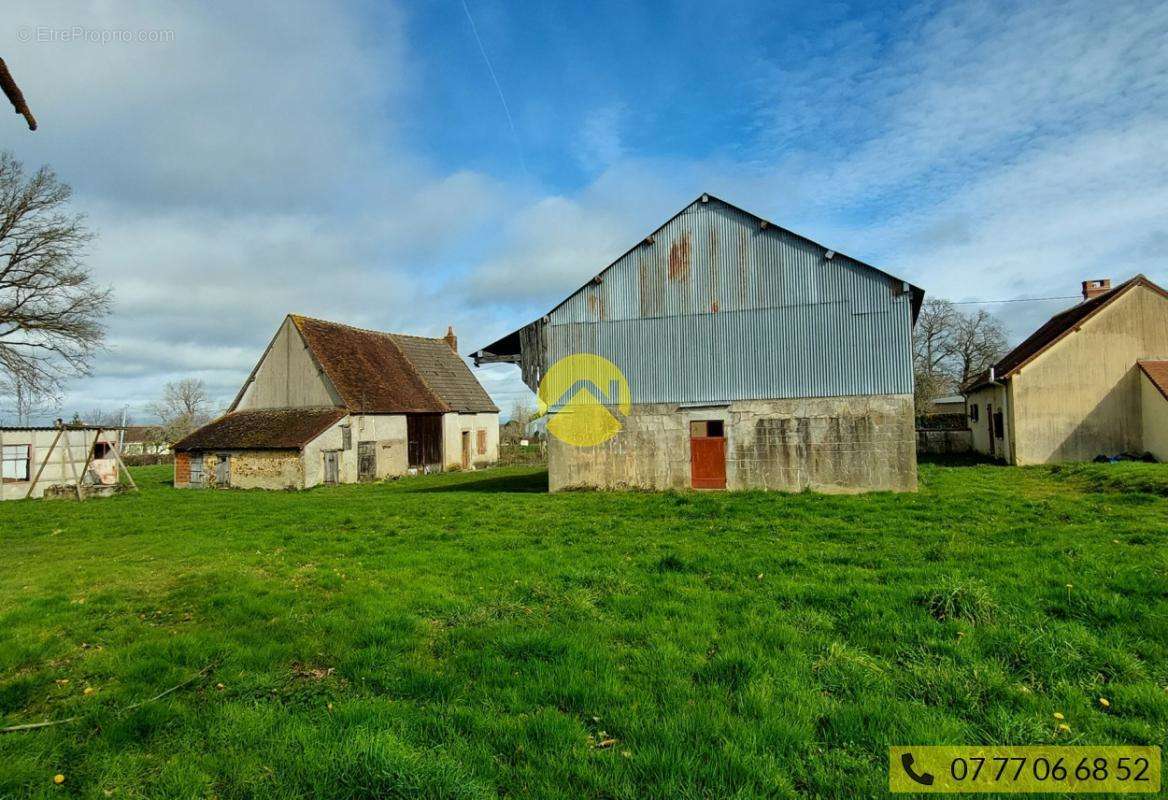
{"x": 101, "y": 450}
{"x": 973, "y": 412}
{"x": 346, "y": 437}
{"x": 15, "y": 462}
{"x": 481, "y": 437}
{"x": 707, "y": 429}
{"x": 999, "y": 426}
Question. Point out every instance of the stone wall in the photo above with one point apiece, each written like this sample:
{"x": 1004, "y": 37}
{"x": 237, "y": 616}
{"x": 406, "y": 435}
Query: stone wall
{"x": 249, "y": 469}
{"x": 830, "y": 444}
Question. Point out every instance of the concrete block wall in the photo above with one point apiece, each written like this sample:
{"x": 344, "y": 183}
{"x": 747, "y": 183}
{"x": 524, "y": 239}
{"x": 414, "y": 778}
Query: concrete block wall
{"x": 830, "y": 444}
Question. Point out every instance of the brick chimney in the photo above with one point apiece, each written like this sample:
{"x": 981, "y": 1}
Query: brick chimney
{"x": 452, "y": 340}
{"x": 1096, "y": 287}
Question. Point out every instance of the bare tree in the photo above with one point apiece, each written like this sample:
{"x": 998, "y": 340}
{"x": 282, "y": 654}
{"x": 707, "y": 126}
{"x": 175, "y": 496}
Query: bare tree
{"x": 932, "y": 349}
{"x": 950, "y": 347}
{"x": 26, "y": 403}
{"x": 184, "y": 406}
{"x": 978, "y": 341}
{"x": 104, "y": 419}
{"x": 51, "y": 311}
{"x": 522, "y": 412}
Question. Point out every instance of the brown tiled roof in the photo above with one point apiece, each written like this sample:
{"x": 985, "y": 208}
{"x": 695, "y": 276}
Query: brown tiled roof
{"x": 386, "y": 373}
{"x": 1056, "y": 328}
{"x": 262, "y": 429}
{"x": 445, "y": 374}
{"x": 1157, "y": 372}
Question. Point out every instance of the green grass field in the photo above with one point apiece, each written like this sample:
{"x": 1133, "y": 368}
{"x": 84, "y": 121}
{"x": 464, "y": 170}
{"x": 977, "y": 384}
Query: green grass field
{"x": 470, "y": 636}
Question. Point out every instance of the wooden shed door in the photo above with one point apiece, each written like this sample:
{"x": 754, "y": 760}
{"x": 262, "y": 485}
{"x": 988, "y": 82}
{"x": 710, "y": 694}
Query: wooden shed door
{"x": 223, "y": 470}
{"x": 466, "y": 449}
{"x": 424, "y": 432}
{"x": 707, "y": 454}
{"x": 331, "y": 467}
{"x": 366, "y": 461}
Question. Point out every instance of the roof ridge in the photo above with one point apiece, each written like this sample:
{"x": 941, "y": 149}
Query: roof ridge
{"x": 1069, "y": 319}
{"x": 296, "y": 317}
{"x": 416, "y": 336}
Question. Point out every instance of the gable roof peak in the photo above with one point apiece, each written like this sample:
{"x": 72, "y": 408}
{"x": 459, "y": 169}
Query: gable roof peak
{"x": 1061, "y": 324}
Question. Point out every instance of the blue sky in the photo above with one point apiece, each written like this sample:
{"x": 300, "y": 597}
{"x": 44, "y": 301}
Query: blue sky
{"x": 356, "y": 161}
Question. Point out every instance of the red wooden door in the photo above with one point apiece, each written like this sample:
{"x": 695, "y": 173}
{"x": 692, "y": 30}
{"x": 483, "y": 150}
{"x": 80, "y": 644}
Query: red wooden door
{"x": 707, "y": 455}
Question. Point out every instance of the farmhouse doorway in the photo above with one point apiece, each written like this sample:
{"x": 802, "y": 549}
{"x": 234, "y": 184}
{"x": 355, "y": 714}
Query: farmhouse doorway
{"x": 424, "y": 433}
{"x": 332, "y": 472}
{"x": 707, "y": 454}
{"x": 366, "y": 461}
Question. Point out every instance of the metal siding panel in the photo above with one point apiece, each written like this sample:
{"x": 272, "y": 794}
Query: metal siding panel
{"x": 788, "y": 322}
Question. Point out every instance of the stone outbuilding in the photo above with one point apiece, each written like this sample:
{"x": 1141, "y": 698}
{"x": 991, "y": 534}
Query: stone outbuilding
{"x": 1083, "y": 385}
{"x": 754, "y": 358}
{"x": 329, "y": 403}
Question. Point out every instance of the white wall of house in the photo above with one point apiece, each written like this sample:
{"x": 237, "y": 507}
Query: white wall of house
{"x": 481, "y": 432}
{"x": 987, "y": 399}
{"x": 144, "y": 448}
{"x": 24, "y": 450}
{"x": 1154, "y": 419}
{"x": 386, "y": 431}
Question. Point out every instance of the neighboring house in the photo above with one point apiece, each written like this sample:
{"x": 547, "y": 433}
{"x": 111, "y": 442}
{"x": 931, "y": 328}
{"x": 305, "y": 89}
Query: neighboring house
{"x": 143, "y": 440}
{"x": 950, "y": 404}
{"x": 55, "y": 456}
{"x": 1072, "y": 390}
{"x": 755, "y": 358}
{"x": 328, "y": 403}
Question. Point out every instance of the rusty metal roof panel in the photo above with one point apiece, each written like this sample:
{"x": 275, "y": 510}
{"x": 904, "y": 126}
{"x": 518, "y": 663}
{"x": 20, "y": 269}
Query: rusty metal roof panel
{"x": 717, "y": 306}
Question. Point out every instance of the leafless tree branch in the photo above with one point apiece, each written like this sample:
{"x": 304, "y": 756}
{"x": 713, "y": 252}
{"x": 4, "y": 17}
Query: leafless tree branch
{"x": 15, "y": 96}
{"x": 184, "y": 406}
{"x": 51, "y": 311}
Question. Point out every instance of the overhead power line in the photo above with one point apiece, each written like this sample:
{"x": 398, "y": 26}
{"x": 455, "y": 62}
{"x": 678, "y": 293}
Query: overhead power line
{"x": 1016, "y": 300}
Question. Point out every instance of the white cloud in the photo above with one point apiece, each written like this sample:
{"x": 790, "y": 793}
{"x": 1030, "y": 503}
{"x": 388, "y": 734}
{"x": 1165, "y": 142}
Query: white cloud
{"x": 253, "y": 167}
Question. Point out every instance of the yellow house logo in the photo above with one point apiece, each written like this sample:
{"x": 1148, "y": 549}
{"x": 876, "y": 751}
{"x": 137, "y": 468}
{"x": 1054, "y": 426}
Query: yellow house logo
{"x": 581, "y": 392}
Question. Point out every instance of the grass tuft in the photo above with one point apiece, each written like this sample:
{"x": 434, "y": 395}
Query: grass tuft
{"x": 962, "y": 598}
{"x": 672, "y": 563}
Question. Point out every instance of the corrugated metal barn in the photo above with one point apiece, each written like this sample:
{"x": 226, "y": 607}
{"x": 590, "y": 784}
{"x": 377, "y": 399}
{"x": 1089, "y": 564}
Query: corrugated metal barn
{"x": 729, "y": 327}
